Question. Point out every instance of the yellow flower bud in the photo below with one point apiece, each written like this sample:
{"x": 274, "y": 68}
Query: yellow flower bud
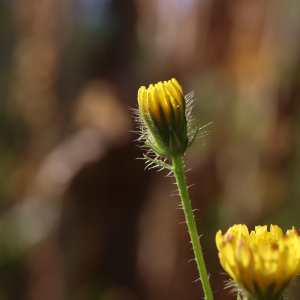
{"x": 162, "y": 108}
{"x": 262, "y": 263}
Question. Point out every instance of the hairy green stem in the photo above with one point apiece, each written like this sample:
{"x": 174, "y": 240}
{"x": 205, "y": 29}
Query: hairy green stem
{"x": 190, "y": 220}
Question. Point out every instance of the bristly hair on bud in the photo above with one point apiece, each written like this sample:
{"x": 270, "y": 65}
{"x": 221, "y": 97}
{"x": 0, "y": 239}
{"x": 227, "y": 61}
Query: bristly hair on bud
{"x": 164, "y": 118}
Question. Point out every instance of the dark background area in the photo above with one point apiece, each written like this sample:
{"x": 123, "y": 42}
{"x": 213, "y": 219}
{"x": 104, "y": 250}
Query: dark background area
{"x": 80, "y": 218}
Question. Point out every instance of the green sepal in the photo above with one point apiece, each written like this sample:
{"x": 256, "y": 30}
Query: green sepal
{"x": 194, "y": 137}
{"x": 176, "y": 146}
{"x": 159, "y": 163}
{"x": 155, "y": 150}
{"x": 161, "y": 151}
{"x": 161, "y": 129}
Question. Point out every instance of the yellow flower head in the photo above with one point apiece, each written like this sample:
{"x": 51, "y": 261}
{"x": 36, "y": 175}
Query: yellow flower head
{"x": 262, "y": 263}
{"x": 163, "y": 110}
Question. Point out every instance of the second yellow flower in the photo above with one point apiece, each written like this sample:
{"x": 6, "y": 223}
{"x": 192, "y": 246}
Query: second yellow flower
{"x": 262, "y": 263}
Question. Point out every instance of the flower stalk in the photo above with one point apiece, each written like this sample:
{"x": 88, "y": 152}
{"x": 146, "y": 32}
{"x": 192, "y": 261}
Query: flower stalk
{"x": 179, "y": 173}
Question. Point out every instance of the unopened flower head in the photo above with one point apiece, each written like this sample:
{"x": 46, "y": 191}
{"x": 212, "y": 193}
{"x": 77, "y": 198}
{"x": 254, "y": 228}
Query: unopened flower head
{"x": 262, "y": 263}
{"x": 164, "y": 118}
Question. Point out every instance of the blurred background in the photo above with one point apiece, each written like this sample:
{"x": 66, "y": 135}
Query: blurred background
{"x": 80, "y": 218}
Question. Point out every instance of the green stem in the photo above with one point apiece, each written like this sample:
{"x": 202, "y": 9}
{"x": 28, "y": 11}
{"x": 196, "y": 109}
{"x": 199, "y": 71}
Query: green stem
{"x": 190, "y": 220}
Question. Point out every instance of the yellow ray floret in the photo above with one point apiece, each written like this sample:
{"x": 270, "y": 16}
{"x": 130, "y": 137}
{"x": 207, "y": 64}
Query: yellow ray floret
{"x": 262, "y": 263}
{"x": 163, "y": 101}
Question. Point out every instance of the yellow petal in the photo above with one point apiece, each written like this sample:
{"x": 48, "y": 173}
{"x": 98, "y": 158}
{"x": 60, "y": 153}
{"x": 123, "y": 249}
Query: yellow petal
{"x": 153, "y": 105}
{"x": 219, "y": 238}
{"x": 165, "y": 102}
{"x": 276, "y": 231}
{"x": 177, "y": 94}
{"x": 260, "y": 229}
{"x": 177, "y": 84}
{"x": 142, "y": 88}
{"x": 246, "y": 265}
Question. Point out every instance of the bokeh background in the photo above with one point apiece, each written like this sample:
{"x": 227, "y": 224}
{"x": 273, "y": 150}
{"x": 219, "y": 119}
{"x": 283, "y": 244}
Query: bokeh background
{"x": 80, "y": 218}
